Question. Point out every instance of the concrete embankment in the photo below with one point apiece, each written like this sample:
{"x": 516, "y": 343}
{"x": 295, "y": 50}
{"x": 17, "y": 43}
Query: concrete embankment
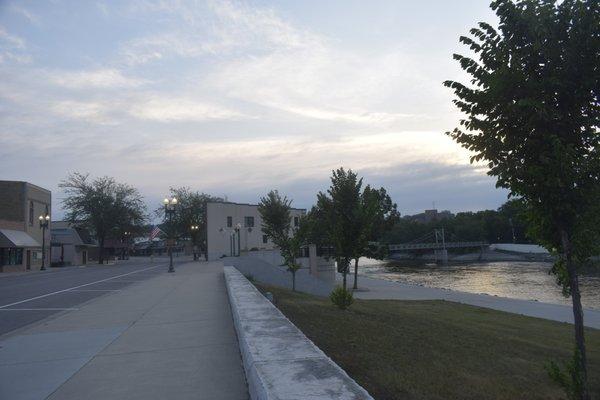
{"x": 280, "y": 362}
{"x": 487, "y": 255}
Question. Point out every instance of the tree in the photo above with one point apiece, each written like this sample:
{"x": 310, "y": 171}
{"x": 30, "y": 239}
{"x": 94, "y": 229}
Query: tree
{"x": 377, "y": 215}
{"x": 277, "y": 225}
{"x": 103, "y": 206}
{"x": 190, "y": 211}
{"x": 533, "y": 115}
{"x": 339, "y": 214}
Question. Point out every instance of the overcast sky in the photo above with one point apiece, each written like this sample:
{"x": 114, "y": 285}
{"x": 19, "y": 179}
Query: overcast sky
{"x": 237, "y": 98}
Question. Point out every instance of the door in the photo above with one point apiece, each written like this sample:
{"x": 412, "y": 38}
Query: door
{"x": 28, "y": 260}
{"x": 84, "y": 257}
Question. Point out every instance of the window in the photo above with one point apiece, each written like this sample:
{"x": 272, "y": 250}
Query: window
{"x": 11, "y": 256}
{"x": 265, "y": 239}
{"x": 31, "y": 213}
{"x": 249, "y": 222}
{"x": 296, "y": 221}
{"x": 229, "y": 222}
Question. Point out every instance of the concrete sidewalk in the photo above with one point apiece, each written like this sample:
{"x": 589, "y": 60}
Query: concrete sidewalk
{"x": 168, "y": 337}
{"x": 379, "y": 289}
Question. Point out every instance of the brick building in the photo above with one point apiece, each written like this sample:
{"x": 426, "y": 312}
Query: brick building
{"x": 21, "y": 204}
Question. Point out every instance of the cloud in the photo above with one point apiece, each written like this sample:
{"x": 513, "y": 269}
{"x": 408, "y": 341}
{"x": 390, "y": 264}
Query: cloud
{"x": 11, "y": 41}
{"x": 25, "y": 13}
{"x": 99, "y": 78}
{"x": 169, "y": 109}
{"x": 13, "y": 48}
{"x": 91, "y": 111}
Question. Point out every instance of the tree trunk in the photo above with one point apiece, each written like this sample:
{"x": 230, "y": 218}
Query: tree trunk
{"x": 577, "y": 313}
{"x": 101, "y": 251}
{"x": 355, "y": 274}
{"x": 294, "y": 281}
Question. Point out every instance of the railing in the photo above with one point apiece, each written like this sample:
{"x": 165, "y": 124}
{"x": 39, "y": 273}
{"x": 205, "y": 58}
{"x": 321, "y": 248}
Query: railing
{"x": 435, "y": 246}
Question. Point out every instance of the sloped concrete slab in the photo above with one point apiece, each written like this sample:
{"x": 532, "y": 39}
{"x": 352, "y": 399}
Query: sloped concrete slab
{"x": 280, "y": 361}
{"x": 315, "y": 379}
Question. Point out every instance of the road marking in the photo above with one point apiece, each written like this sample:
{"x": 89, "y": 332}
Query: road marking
{"x": 95, "y": 290}
{"x": 75, "y": 287}
{"x": 39, "y": 309}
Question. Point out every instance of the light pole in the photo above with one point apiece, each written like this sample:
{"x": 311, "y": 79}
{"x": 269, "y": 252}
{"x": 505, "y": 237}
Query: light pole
{"x": 194, "y": 230}
{"x": 126, "y": 236}
{"x": 238, "y": 228}
{"x": 44, "y": 221}
{"x": 170, "y": 206}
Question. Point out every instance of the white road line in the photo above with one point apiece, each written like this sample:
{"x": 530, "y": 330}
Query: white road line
{"x": 39, "y": 309}
{"x": 76, "y": 287}
{"x": 95, "y": 290}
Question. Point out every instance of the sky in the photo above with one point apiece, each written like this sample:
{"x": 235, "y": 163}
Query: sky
{"x": 235, "y": 98}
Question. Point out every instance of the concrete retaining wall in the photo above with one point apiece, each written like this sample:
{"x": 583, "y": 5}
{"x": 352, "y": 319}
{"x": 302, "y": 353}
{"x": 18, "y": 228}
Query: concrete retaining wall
{"x": 280, "y": 361}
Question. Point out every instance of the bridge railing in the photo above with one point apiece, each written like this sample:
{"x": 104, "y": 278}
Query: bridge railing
{"x": 434, "y": 246}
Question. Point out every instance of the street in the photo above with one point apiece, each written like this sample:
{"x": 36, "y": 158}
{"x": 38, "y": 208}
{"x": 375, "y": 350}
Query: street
{"x": 30, "y": 297}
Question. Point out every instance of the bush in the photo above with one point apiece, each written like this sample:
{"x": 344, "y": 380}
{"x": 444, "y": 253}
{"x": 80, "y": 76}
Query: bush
{"x": 341, "y": 297}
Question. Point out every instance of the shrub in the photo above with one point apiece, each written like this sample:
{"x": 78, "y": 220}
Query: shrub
{"x": 341, "y": 297}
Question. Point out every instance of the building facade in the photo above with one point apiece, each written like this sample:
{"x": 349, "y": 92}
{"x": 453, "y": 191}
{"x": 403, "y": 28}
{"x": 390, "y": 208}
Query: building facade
{"x": 233, "y": 228}
{"x": 21, "y": 205}
{"x": 71, "y": 246}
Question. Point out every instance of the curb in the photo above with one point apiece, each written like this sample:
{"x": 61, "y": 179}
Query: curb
{"x": 279, "y": 360}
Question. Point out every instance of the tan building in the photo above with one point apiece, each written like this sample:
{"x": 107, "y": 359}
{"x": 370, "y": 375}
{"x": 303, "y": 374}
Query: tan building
{"x": 72, "y": 246}
{"x": 21, "y": 204}
{"x": 225, "y": 219}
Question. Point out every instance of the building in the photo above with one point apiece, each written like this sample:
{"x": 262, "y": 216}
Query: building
{"x": 71, "y": 246}
{"x": 21, "y": 205}
{"x": 430, "y": 216}
{"x": 232, "y": 228}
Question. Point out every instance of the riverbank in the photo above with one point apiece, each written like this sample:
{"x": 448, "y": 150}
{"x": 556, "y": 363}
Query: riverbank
{"x": 516, "y": 279}
{"x": 379, "y": 289}
{"x": 486, "y": 255}
{"x": 437, "y": 349}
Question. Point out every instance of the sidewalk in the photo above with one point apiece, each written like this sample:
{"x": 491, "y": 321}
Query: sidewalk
{"x": 168, "y": 337}
{"x": 372, "y": 289}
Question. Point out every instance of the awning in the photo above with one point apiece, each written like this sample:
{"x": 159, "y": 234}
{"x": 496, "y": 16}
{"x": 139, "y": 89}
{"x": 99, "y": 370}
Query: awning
{"x": 11, "y": 238}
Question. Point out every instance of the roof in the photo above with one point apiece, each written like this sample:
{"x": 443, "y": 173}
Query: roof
{"x": 64, "y": 233}
{"x": 12, "y": 238}
{"x": 247, "y": 204}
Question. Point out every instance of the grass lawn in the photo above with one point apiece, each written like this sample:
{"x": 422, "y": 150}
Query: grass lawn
{"x": 437, "y": 349}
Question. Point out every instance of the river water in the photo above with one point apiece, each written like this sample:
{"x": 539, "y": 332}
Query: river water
{"x": 519, "y": 280}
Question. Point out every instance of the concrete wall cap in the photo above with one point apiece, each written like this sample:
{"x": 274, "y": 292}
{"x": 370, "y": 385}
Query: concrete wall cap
{"x": 280, "y": 361}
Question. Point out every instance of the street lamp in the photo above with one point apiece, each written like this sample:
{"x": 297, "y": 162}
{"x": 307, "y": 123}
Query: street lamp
{"x": 238, "y": 228}
{"x": 194, "y": 229}
{"x": 44, "y": 221}
{"x": 125, "y": 253}
{"x": 170, "y": 206}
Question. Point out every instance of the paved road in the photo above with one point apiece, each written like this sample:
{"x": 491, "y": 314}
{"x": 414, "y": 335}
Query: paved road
{"x": 30, "y": 297}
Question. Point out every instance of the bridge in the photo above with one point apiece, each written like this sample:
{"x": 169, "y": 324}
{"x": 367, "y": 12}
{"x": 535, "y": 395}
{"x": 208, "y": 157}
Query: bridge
{"x": 435, "y": 246}
{"x": 439, "y": 246}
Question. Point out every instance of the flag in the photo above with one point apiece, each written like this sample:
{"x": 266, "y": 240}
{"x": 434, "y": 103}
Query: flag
{"x": 155, "y": 232}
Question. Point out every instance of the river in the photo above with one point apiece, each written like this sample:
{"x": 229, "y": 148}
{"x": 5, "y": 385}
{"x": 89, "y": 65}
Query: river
{"x": 519, "y": 280}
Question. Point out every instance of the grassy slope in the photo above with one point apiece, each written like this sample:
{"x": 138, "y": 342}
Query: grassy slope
{"x": 437, "y": 349}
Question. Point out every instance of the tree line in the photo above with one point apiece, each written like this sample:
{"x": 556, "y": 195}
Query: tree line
{"x": 507, "y": 224}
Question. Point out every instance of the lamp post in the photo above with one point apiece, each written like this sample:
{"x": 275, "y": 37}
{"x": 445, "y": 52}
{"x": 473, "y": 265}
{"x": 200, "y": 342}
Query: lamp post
{"x": 44, "y": 221}
{"x": 194, "y": 230}
{"x": 126, "y": 236}
{"x": 238, "y": 228}
{"x": 170, "y": 206}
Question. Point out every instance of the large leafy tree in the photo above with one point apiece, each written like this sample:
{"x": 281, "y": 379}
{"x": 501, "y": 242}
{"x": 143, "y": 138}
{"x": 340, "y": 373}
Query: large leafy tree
{"x": 377, "y": 215}
{"x": 533, "y": 115}
{"x": 340, "y": 215}
{"x": 275, "y": 212}
{"x": 190, "y": 211}
{"x": 103, "y": 206}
